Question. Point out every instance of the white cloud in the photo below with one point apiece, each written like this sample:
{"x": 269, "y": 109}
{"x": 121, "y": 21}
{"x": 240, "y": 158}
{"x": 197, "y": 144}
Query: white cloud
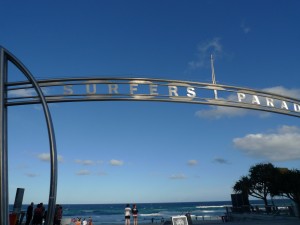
{"x": 294, "y": 93}
{"x": 84, "y": 162}
{"x": 115, "y": 162}
{"x": 218, "y": 112}
{"x": 46, "y": 157}
{"x": 192, "y": 162}
{"x": 280, "y": 145}
{"x": 83, "y": 173}
{"x": 179, "y": 176}
{"x": 27, "y": 92}
{"x": 204, "y": 51}
{"x": 22, "y": 92}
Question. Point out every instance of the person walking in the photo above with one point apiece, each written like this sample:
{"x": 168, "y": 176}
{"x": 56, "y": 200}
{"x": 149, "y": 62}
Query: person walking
{"x": 127, "y": 214}
{"x": 135, "y": 214}
{"x": 29, "y": 213}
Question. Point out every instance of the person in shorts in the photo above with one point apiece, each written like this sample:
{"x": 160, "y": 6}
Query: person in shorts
{"x": 135, "y": 214}
{"x": 127, "y": 214}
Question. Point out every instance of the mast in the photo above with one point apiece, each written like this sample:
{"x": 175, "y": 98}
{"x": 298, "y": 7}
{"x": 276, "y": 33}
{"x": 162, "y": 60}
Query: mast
{"x": 213, "y": 76}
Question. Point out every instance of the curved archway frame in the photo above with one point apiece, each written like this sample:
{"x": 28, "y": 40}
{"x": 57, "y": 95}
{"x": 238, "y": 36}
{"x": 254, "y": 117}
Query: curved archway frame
{"x": 114, "y": 89}
{"x": 5, "y": 57}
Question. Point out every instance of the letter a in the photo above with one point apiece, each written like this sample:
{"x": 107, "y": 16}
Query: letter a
{"x": 255, "y": 100}
{"x": 284, "y": 105}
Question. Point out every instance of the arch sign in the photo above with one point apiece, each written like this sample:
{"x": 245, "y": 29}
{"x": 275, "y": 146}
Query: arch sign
{"x": 114, "y": 89}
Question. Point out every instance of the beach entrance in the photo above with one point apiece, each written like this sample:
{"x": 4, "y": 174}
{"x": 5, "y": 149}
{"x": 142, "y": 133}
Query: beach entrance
{"x": 113, "y": 89}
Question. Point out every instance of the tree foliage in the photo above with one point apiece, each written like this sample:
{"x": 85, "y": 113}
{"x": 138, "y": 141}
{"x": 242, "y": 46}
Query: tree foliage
{"x": 266, "y": 180}
{"x": 243, "y": 185}
{"x": 258, "y": 182}
{"x": 287, "y": 184}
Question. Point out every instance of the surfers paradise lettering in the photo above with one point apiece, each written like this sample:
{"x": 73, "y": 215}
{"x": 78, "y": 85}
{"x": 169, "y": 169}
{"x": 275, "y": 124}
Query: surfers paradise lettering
{"x": 183, "y": 92}
{"x": 133, "y": 90}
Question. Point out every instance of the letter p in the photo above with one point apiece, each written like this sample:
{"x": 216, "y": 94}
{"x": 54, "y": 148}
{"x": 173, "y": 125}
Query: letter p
{"x": 241, "y": 96}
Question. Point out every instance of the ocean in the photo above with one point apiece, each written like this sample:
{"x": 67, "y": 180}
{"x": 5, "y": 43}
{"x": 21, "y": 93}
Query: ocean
{"x": 114, "y": 213}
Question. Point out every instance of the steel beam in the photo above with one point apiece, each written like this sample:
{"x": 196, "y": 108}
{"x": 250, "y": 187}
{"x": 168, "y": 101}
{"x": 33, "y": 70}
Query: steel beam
{"x": 4, "y": 207}
{"x": 4, "y": 204}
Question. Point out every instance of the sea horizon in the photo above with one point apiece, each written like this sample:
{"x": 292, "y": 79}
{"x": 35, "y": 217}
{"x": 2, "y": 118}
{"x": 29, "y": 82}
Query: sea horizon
{"x": 278, "y": 200}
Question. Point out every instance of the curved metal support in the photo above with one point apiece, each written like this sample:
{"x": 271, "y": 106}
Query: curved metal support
{"x": 4, "y": 208}
{"x": 7, "y": 56}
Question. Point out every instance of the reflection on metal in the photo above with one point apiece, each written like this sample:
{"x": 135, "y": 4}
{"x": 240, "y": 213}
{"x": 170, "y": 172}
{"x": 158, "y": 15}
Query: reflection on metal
{"x": 115, "y": 89}
{"x": 145, "y": 89}
{"x": 5, "y": 57}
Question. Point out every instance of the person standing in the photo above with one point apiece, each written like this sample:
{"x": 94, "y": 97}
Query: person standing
{"x": 57, "y": 214}
{"x": 90, "y": 221}
{"x": 127, "y": 214}
{"x": 135, "y": 214}
{"x": 78, "y": 222}
{"x": 38, "y": 215}
{"x": 29, "y": 213}
{"x": 42, "y": 220}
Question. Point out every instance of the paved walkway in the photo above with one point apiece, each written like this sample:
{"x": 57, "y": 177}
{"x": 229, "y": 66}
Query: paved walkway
{"x": 244, "y": 220}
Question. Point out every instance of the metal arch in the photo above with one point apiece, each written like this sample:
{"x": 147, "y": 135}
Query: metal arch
{"x": 42, "y": 98}
{"x": 5, "y": 57}
{"x": 160, "y": 83}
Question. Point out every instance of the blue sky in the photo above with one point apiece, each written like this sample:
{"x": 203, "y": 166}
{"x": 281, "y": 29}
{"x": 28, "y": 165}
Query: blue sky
{"x": 119, "y": 152}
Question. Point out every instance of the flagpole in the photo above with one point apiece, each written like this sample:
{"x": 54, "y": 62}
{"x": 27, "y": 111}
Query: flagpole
{"x": 213, "y": 74}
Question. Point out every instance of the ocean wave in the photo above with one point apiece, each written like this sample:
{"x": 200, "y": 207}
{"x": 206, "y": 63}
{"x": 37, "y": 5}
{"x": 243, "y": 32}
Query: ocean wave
{"x": 151, "y": 214}
{"x": 208, "y": 211}
{"x": 88, "y": 210}
{"x": 212, "y": 206}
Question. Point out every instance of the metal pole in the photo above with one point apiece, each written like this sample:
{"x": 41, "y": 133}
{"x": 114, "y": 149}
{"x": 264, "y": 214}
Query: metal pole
{"x": 213, "y": 75}
{"x": 5, "y": 57}
{"x": 4, "y": 207}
